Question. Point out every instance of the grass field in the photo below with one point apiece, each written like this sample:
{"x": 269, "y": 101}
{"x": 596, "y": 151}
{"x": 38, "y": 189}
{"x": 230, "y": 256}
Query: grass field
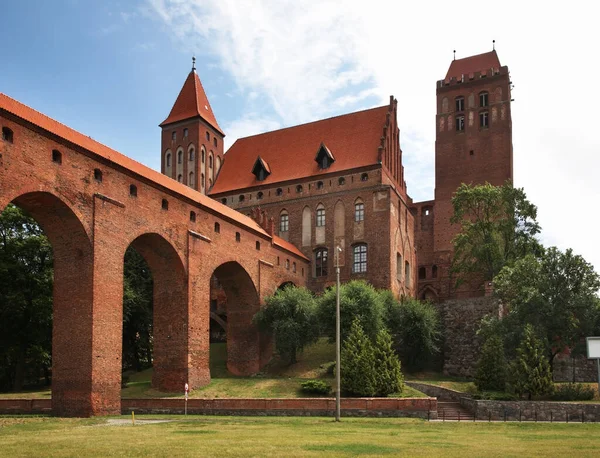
{"x": 292, "y": 437}
{"x": 278, "y": 379}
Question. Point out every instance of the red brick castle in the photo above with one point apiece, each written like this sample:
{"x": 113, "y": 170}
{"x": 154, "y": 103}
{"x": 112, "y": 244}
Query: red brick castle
{"x": 339, "y": 182}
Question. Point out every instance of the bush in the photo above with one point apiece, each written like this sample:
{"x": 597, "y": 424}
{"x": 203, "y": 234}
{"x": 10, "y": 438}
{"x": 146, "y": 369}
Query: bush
{"x": 358, "y": 363}
{"x": 492, "y": 367}
{"x": 388, "y": 376}
{"x": 315, "y": 387}
{"x": 415, "y": 330}
{"x": 572, "y": 392}
{"x": 291, "y": 316}
{"x": 358, "y": 301}
{"x": 530, "y": 372}
{"x": 495, "y": 396}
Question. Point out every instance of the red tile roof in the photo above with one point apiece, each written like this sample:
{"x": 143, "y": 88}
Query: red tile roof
{"x": 353, "y": 140}
{"x": 191, "y": 102}
{"x": 56, "y": 128}
{"x": 278, "y": 241}
{"x": 472, "y": 64}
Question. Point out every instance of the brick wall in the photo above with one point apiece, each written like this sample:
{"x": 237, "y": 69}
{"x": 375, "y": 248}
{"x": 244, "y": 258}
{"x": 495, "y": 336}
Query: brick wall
{"x": 85, "y": 204}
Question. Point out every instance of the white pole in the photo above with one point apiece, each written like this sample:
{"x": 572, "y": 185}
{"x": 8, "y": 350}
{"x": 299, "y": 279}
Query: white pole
{"x": 337, "y": 334}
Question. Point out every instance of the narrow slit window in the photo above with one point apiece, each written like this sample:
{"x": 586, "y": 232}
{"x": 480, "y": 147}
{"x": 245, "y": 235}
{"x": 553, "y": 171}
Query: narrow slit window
{"x": 133, "y": 190}
{"x": 217, "y": 228}
{"x": 258, "y": 245}
{"x": 165, "y": 204}
{"x": 56, "y": 156}
{"x": 193, "y": 216}
{"x": 98, "y": 175}
{"x": 7, "y": 135}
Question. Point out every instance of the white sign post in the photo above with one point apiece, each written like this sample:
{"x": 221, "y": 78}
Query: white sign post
{"x": 593, "y": 351}
{"x": 187, "y": 389}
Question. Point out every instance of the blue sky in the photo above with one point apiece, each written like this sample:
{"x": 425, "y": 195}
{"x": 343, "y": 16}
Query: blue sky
{"x": 112, "y": 70}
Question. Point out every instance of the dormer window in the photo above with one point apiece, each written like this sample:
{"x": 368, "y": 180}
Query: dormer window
{"x": 261, "y": 169}
{"x": 324, "y": 157}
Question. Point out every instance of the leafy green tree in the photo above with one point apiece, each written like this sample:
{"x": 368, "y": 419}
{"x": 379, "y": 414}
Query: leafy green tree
{"x": 556, "y": 293}
{"x": 137, "y": 312}
{"x": 415, "y": 330}
{"x": 358, "y": 300}
{"x": 358, "y": 363}
{"x": 497, "y": 226}
{"x": 291, "y": 316}
{"x": 26, "y": 277}
{"x": 530, "y": 372}
{"x": 388, "y": 373}
{"x": 492, "y": 368}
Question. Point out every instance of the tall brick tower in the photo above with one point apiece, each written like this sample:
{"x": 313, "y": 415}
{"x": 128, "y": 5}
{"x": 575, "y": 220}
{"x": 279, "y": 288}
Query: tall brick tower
{"x": 192, "y": 141}
{"x": 473, "y": 145}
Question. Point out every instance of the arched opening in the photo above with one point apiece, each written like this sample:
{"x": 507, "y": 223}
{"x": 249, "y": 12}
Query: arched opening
{"x": 168, "y": 328}
{"x": 237, "y": 302}
{"x": 53, "y": 301}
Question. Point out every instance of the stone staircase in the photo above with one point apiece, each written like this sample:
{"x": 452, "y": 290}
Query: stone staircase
{"x": 453, "y": 411}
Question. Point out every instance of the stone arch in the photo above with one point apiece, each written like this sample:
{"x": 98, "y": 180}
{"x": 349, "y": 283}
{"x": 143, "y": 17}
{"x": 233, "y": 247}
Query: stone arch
{"x": 306, "y": 226}
{"x": 428, "y": 293}
{"x": 73, "y": 308}
{"x": 245, "y": 350}
{"x": 285, "y": 284}
{"x": 170, "y": 298}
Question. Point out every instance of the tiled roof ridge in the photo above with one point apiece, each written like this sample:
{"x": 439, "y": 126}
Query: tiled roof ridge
{"x": 120, "y": 160}
{"x": 311, "y": 122}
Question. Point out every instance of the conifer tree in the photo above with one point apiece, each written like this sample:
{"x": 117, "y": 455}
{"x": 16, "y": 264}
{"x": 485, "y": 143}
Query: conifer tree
{"x": 492, "y": 367}
{"x": 358, "y": 363}
{"x": 531, "y": 371}
{"x": 388, "y": 374}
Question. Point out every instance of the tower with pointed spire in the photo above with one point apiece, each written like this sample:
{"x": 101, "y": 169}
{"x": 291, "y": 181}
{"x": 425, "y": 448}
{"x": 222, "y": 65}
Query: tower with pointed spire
{"x": 192, "y": 141}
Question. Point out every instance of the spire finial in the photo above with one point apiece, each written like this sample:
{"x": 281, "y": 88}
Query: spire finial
{"x": 194, "y": 63}
{"x": 493, "y": 45}
{"x": 454, "y": 54}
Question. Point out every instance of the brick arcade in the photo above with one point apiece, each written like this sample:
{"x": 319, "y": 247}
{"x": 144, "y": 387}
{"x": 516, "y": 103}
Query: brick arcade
{"x": 93, "y": 203}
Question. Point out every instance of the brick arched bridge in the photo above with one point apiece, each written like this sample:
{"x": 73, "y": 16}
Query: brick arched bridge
{"x": 93, "y": 203}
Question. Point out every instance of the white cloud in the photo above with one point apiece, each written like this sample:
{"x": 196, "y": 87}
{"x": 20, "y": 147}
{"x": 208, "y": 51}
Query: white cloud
{"x": 250, "y": 124}
{"x": 311, "y": 59}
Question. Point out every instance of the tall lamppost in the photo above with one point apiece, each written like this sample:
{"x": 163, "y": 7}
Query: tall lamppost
{"x": 337, "y": 333}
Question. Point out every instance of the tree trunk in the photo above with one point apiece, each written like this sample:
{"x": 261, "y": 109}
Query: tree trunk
{"x": 19, "y": 371}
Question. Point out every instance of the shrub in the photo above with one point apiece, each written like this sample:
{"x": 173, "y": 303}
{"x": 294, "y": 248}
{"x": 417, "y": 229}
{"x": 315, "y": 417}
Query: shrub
{"x": 388, "y": 376}
{"x": 530, "y": 372}
{"x": 358, "y": 363}
{"x": 492, "y": 367}
{"x": 572, "y": 392}
{"x": 415, "y": 330}
{"x": 315, "y": 387}
{"x": 358, "y": 300}
{"x": 291, "y": 316}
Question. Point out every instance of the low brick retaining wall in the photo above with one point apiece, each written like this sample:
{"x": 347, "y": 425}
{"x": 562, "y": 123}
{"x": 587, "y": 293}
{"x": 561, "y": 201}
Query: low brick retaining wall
{"x": 443, "y": 394}
{"x": 365, "y": 407}
{"x": 532, "y": 410}
{"x": 25, "y": 406}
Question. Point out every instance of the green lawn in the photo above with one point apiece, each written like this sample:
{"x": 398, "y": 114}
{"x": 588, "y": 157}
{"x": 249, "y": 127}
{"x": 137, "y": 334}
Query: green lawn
{"x": 278, "y": 379}
{"x": 292, "y": 437}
